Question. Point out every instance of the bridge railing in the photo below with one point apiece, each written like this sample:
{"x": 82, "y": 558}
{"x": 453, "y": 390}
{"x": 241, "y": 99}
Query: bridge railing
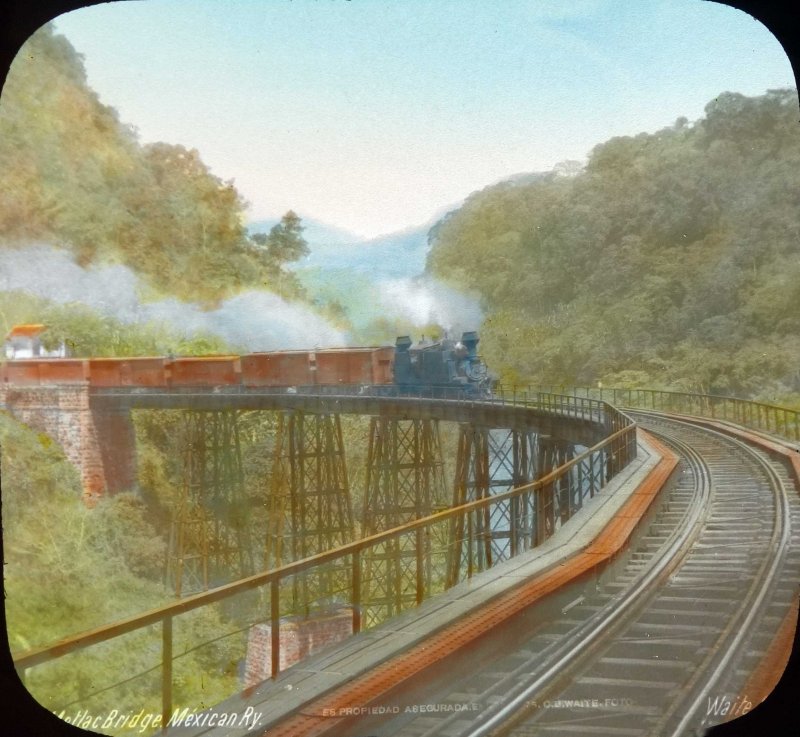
{"x": 564, "y": 404}
{"x": 768, "y": 418}
{"x": 472, "y": 537}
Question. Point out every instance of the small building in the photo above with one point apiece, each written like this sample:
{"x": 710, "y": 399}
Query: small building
{"x": 25, "y": 341}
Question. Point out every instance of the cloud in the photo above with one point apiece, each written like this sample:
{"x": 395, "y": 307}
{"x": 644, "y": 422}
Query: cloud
{"x": 251, "y": 321}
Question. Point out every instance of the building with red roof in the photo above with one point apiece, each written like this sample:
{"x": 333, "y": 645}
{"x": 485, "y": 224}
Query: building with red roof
{"x": 25, "y": 341}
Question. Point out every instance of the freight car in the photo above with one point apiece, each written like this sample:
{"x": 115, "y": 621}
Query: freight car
{"x": 443, "y": 368}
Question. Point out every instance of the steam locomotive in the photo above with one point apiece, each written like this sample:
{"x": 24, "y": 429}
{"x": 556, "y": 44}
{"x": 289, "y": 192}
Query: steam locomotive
{"x": 442, "y": 367}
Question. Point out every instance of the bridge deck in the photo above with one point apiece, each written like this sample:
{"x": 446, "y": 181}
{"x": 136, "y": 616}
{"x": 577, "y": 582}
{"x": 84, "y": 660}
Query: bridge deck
{"x": 578, "y": 424}
{"x": 273, "y": 701}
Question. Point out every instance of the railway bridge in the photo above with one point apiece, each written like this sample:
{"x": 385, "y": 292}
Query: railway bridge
{"x": 624, "y": 563}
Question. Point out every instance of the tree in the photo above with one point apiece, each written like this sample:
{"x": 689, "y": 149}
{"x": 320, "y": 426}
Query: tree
{"x": 285, "y": 242}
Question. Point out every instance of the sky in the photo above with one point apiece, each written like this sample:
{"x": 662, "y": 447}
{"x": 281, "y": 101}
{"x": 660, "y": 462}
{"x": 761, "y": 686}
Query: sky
{"x": 377, "y": 115}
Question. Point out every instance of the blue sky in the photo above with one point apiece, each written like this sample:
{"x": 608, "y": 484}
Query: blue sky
{"x": 374, "y": 115}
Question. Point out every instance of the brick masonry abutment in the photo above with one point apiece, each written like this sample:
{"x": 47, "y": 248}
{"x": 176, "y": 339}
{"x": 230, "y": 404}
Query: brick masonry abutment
{"x": 99, "y": 440}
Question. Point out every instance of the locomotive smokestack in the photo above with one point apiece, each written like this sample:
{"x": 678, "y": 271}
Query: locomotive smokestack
{"x": 402, "y": 344}
{"x": 470, "y": 339}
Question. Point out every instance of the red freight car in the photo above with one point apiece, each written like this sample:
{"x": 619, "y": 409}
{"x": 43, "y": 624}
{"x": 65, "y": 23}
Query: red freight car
{"x": 283, "y": 368}
{"x": 34, "y": 371}
{"x": 329, "y": 367}
{"x": 205, "y": 371}
{"x": 354, "y": 366}
{"x": 146, "y": 371}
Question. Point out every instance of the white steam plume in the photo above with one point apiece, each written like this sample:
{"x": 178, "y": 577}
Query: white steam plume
{"x": 252, "y": 321}
{"x": 423, "y": 300}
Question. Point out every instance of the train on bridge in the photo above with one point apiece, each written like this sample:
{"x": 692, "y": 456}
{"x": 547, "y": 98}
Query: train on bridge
{"x": 442, "y": 368}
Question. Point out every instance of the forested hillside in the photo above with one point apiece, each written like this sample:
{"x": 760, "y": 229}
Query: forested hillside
{"x": 68, "y": 568}
{"x": 672, "y": 260}
{"x": 74, "y": 175}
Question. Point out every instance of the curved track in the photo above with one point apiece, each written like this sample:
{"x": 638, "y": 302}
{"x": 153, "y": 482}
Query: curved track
{"x": 667, "y": 644}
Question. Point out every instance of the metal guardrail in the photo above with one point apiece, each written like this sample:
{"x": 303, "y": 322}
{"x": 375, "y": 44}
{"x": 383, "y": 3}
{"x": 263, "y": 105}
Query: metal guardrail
{"x": 542, "y": 507}
{"x": 769, "y": 418}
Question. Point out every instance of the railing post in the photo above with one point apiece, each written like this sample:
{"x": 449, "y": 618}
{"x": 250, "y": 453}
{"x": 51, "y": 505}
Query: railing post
{"x": 513, "y": 507}
{"x": 356, "y": 592}
{"x": 541, "y": 512}
{"x": 275, "y": 625}
{"x": 470, "y": 542}
{"x": 420, "y": 567}
{"x": 166, "y": 671}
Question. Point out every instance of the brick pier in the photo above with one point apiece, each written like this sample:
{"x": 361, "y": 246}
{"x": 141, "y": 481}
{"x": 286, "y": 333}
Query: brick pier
{"x": 299, "y": 638}
{"x": 100, "y": 442}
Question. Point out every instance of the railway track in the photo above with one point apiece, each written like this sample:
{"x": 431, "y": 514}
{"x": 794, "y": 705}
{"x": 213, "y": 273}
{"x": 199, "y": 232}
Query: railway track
{"x": 667, "y": 644}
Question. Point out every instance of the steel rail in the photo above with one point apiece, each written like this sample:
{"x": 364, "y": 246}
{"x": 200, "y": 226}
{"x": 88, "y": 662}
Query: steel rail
{"x": 740, "y": 625}
{"x": 729, "y": 642}
{"x": 613, "y": 615}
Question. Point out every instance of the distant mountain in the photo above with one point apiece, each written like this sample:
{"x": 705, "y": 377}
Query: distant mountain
{"x": 315, "y": 231}
{"x": 396, "y": 255}
{"x": 334, "y": 249}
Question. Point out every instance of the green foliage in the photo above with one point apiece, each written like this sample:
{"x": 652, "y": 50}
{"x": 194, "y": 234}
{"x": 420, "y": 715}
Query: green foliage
{"x": 86, "y": 332}
{"x": 69, "y": 569}
{"x": 123, "y": 526}
{"x": 285, "y": 242}
{"x": 76, "y": 176}
{"x": 61, "y": 565}
{"x": 673, "y": 259}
